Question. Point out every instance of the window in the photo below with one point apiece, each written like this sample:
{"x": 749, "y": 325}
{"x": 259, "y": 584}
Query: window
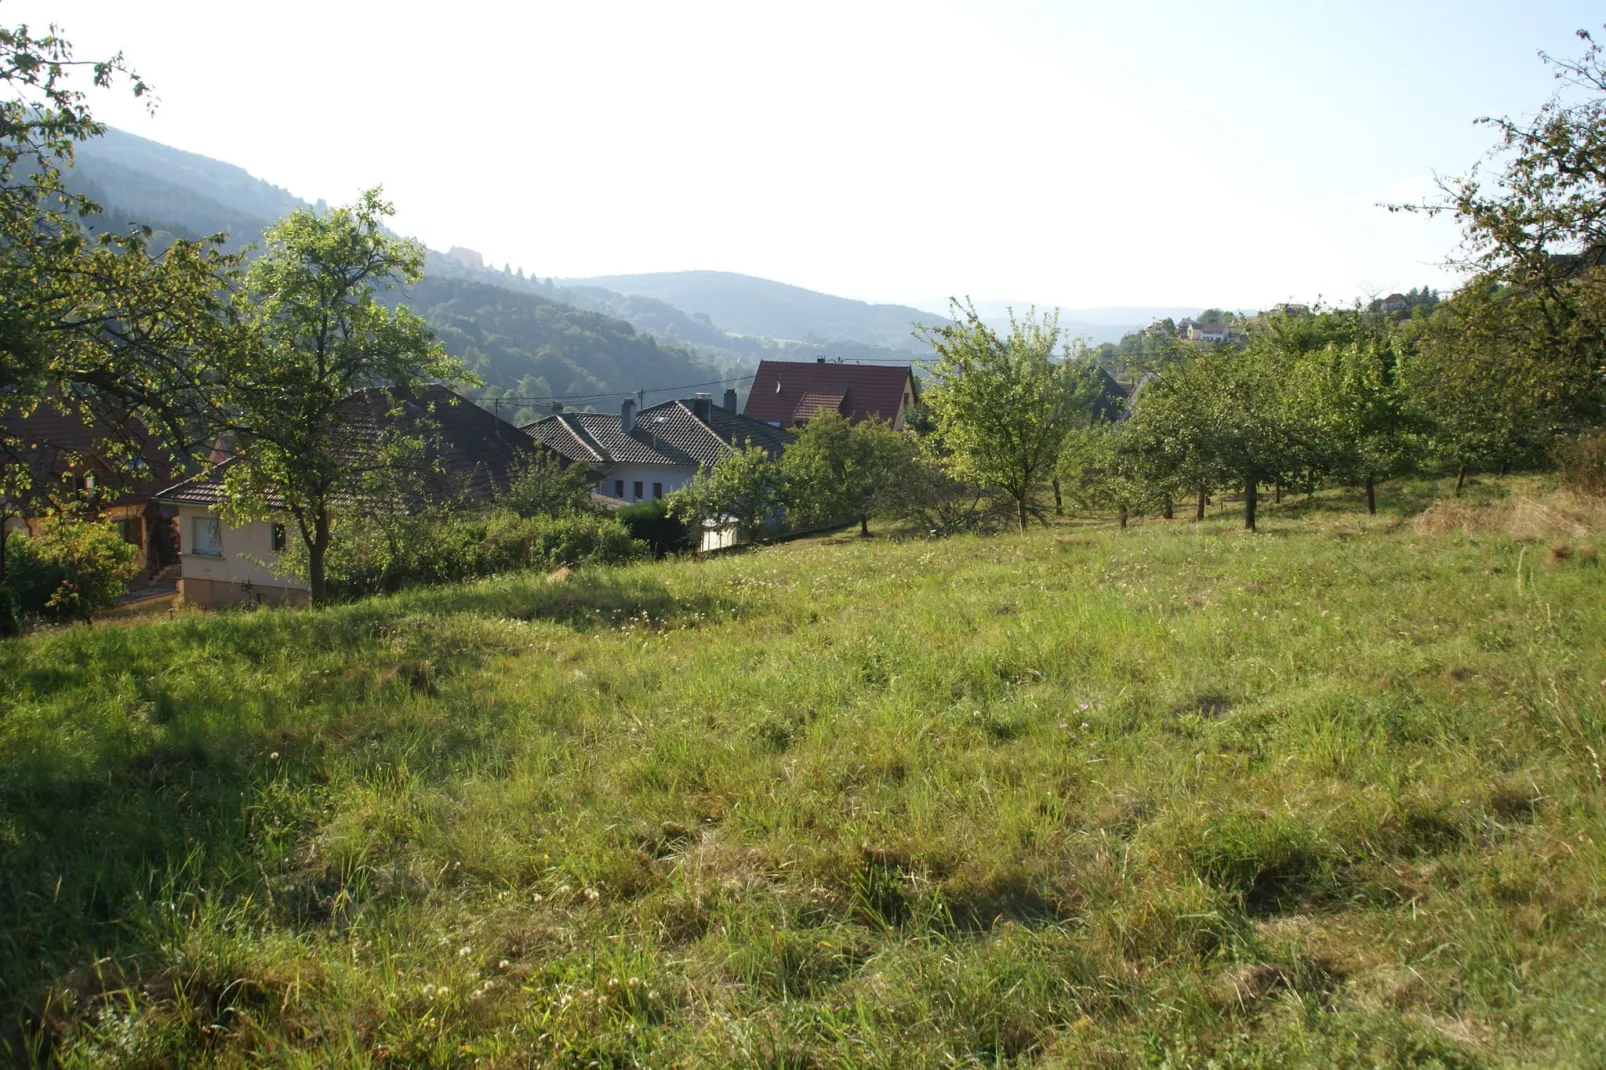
{"x": 618, "y": 488}
{"x": 208, "y": 537}
{"x": 639, "y": 495}
{"x": 657, "y": 490}
{"x": 279, "y": 541}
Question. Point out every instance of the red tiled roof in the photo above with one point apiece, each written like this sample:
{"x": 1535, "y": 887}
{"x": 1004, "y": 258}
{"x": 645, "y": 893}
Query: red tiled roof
{"x": 780, "y": 387}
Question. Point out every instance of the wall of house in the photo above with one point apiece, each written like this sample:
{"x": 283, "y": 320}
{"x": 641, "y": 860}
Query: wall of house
{"x": 219, "y": 581}
{"x": 672, "y": 477}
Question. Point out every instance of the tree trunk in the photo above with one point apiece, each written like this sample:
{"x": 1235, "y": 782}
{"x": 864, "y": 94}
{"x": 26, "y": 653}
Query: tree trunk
{"x": 1123, "y": 516}
{"x": 864, "y": 525}
{"x": 1249, "y": 504}
{"x": 1371, "y": 495}
{"x": 1168, "y": 509}
{"x": 315, "y": 557}
{"x": 1203, "y": 501}
{"x": 1059, "y": 505}
{"x": 1020, "y": 512}
{"x": 1277, "y": 491}
{"x": 1460, "y": 479}
{"x": 3, "y": 519}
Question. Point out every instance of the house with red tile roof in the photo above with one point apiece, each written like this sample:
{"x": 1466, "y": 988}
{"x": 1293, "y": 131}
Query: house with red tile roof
{"x": 789, "y": 393}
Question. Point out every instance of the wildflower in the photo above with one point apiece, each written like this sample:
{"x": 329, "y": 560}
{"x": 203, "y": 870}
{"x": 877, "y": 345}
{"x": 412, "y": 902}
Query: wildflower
{"x": 593, "y": 895}
{"x": 504, "y": 964}
{"x": 535, "y": 897}
{"x": 273, "y": 757}
{"x": 1083, "y": 707}
{"x": 1086, "y": 726}
{"x": 464, "y": 952}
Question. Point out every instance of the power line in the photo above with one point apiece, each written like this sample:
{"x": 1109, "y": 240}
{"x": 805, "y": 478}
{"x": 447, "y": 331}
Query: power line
{"x": 618, "y": 393}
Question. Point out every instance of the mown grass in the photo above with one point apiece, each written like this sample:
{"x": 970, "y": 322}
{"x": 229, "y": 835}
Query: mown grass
{"x": 1329, "y": 795}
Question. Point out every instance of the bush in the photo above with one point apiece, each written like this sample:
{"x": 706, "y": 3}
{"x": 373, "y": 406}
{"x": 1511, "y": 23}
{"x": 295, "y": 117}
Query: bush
{"x": 74, "y": 568}
{"x": 655, "y": 525}
{"x": 1581, "y": 461}
{"x": 369, "y": 555}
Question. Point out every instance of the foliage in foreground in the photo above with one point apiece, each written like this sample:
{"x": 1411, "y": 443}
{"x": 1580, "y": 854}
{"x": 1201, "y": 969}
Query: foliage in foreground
{"x": 1329, "y": 795}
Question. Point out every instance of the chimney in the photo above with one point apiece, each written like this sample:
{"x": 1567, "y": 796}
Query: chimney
{"x": 819, "y": 360}
{"x": 627, "y": 416}
{"x": 702, "y": 407}
{"x": 730, "y": 399}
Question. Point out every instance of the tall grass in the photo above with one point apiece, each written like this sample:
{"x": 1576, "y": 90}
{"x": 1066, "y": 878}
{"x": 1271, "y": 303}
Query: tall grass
{"x": 1326, "y": 795}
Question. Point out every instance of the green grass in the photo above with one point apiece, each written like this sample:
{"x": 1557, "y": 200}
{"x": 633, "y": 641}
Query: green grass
{"x": 1329, "y": 795}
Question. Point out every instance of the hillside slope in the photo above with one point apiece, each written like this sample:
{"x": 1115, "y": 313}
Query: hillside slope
{"x": 751, "y": 305}
{"x": 1180, "y": 796}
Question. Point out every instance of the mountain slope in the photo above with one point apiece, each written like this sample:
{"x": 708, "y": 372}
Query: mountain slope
{"x": 520, "y": 341}
{"x": 750, "y": 305}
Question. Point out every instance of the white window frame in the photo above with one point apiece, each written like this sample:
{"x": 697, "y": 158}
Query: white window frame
{"x": 216, "y": 541}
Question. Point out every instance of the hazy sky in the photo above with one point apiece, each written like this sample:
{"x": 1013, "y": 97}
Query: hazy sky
{"x": 1082, "y": 154}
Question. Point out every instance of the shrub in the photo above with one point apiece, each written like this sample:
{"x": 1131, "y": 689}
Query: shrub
{"x": 655, "y": 525}
{"x": 371, "y": 555}
{"x": 1581, "y": 461}
{"x": 74, "y": 569}
{"x": 9, "y": 622}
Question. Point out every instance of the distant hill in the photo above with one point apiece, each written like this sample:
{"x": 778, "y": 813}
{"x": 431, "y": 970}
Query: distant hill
{"x": 754, "y": 306}
{"x": 1097, "y": 325}
{"x": 523, "y": 334}
{"x": 521, "y": 341}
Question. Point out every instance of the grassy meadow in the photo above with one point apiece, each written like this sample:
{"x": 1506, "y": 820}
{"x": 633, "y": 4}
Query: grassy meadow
{"x": 1332, "y": 794}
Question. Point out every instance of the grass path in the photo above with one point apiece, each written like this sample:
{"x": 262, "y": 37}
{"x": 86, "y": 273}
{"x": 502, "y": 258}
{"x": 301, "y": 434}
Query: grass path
{"x": 1328, "y": 795}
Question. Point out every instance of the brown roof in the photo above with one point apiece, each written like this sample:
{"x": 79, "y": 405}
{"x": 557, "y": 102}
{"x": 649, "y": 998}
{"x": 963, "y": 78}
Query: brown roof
{"x": 781, "y": 387}
{"x": 128, "y": 464}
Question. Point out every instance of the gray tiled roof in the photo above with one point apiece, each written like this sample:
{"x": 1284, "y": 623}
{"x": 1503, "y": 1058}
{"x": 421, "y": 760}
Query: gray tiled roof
{"x": 667, "y": 434}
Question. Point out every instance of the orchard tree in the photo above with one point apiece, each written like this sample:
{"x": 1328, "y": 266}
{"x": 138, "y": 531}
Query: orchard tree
{"x": 835, "y": 469}
{"x": 1538, "y": 227}
{"x": 314, "y": 330}
{"x": 1003, "y": 405}
{"x": 745, "y": 488}
{"x": 1476, "y": 406}
{"x": 91, "y": 323}
{"x": 1102, "y": 471}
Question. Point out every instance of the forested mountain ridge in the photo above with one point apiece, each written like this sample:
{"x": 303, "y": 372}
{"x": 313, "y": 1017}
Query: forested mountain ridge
{"x": 508, "y": 330}
{"x": 183, "y": 194}
{"x": 776, "y": 310}
{"x": 525, "y": 346}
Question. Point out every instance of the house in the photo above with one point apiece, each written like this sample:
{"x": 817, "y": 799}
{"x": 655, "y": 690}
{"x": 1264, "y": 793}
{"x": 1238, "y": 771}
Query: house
{"x": 789, "y": 393}
{"x": 642, "y": 456}
{"x": 1209, "y": 332}
{"x": 115, "y": 468}
{"x": 472, "y": 455}
{"x": 1395, "y": 303}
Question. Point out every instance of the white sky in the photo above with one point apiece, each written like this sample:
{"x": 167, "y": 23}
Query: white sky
{"x": 1081, "y": 154}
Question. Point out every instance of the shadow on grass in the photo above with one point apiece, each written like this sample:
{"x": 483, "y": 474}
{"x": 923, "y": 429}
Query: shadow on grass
{"x": 159, "y": 782}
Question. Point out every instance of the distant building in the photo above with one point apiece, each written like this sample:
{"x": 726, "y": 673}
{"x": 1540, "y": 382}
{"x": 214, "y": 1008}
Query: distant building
{"x": 645, "y": 455}
{"x": 467, "y": 257}
{"x": 789, "y": 393}
{"x": 1395, "y": 303}
{"x": 1194, "y": 331}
